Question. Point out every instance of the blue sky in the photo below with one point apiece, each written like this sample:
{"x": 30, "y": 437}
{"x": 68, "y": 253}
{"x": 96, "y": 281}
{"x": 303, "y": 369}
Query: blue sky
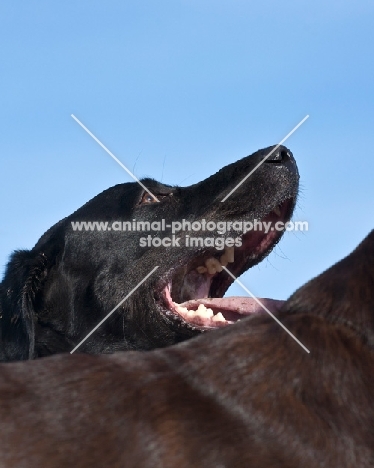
{"x": 178, "y": 89}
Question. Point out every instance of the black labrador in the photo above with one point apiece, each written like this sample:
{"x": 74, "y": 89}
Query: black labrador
{"x": 53, "y": 295}
{"x": 244, "y": 396}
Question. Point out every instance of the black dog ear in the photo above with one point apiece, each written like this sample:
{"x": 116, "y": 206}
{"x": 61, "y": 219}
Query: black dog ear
{"x": 23, "y": 280}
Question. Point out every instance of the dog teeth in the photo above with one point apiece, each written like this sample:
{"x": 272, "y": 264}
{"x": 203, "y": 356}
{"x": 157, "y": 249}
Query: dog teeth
{"x": 213, "y": 265}
{"x": 218, "y": 318}
{"x": 204, "y": 312}
{"x": 277, "y": 211}
{"x": 223, "y": 260}
{"x": 228, "y": 256}
{"x": 181, "y": 309}
{"x": 201, "y": 269}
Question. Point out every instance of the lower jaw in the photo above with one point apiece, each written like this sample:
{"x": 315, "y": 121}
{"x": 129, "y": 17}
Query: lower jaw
{"x": 205, "y": 312}
{"x": 209, "y": 313}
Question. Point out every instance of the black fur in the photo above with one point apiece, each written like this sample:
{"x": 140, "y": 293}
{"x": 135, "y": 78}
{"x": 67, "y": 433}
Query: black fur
{"x": 53, "y": 295}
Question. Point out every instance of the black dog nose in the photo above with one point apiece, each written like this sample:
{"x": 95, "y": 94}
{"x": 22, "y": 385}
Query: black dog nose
{"x": 280, "y": 155}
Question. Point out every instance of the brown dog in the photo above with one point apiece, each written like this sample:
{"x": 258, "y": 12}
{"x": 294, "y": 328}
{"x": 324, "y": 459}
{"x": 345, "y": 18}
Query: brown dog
{"x": 243, "y": 396}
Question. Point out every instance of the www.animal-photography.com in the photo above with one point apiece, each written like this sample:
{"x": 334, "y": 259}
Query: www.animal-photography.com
{"x": 186, "y": 237}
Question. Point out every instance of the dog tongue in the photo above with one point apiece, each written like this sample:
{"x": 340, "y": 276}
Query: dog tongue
{"x": 237, "y": 305}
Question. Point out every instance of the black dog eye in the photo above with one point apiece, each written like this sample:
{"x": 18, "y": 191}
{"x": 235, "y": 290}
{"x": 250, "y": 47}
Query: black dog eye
{"x": 147, "y": 199}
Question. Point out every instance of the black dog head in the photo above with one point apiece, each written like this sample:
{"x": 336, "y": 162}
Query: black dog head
{"x": 55, "y": 294}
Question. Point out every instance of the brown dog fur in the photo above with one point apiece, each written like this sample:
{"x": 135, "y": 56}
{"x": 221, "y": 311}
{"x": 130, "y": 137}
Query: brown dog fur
{"x": 244, "y": 396}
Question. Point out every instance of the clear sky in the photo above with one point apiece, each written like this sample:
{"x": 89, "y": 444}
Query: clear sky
{"x": 178, "y": 89}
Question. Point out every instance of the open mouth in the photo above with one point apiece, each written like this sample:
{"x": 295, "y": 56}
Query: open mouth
{"x": 193, "y": 293}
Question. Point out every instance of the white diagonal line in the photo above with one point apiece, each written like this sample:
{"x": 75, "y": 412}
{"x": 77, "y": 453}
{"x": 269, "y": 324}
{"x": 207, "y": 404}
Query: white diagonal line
{"x": 116, "y": 307}
{"x": 116, "y": 159}
{"x": 265, "y": 308}
{"x": 265, "y": 158}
